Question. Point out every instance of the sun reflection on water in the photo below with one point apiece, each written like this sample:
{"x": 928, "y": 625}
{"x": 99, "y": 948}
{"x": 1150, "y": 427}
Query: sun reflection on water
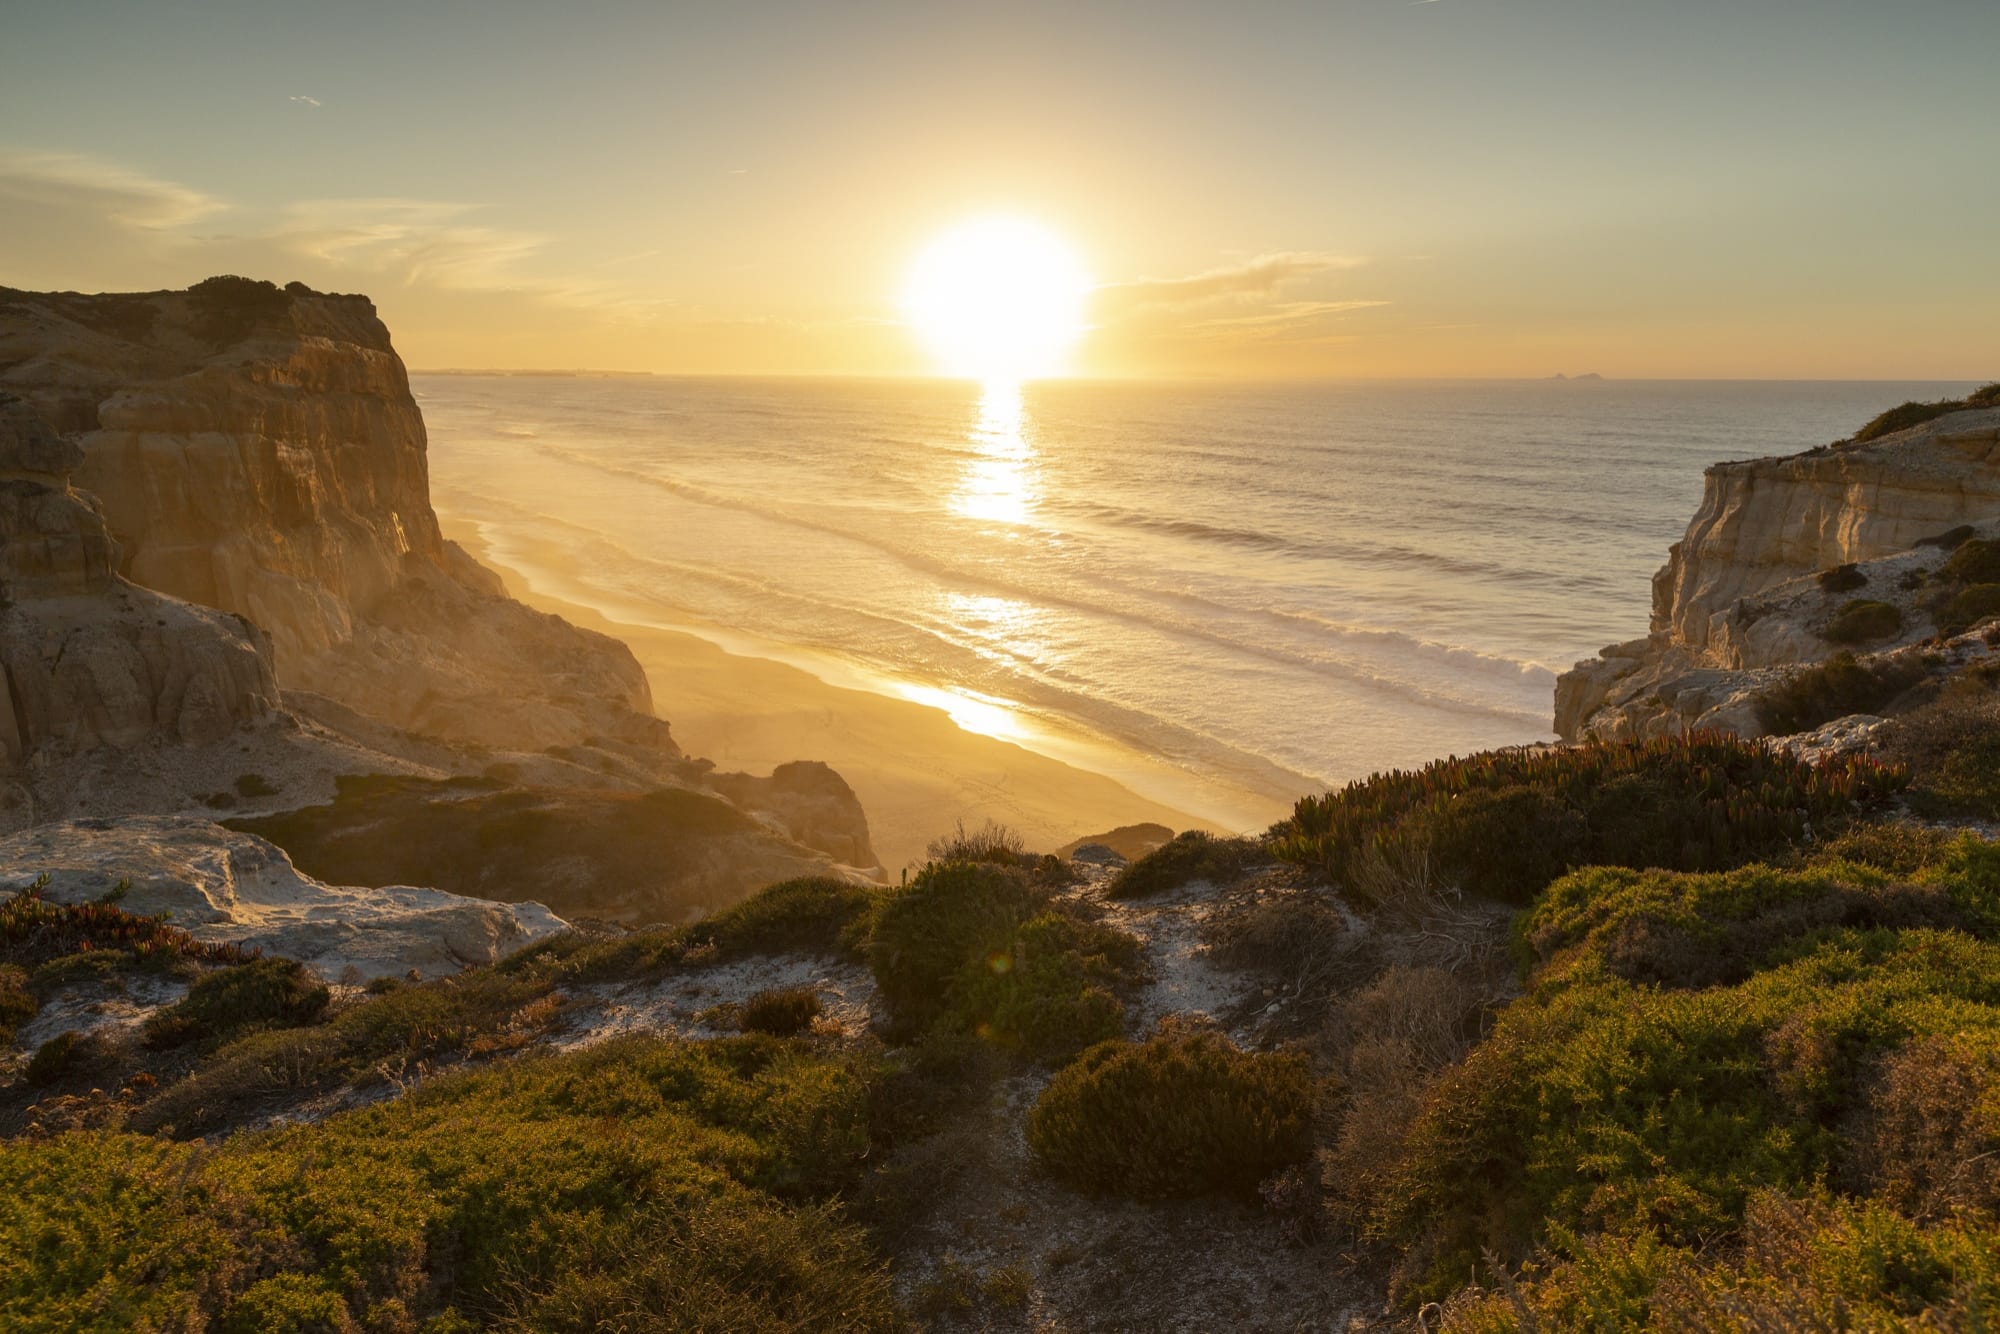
{"x": 998, "y": 485}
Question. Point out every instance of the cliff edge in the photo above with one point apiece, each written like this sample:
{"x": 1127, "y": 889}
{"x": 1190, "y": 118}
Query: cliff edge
{"x": 1787, "y": 562}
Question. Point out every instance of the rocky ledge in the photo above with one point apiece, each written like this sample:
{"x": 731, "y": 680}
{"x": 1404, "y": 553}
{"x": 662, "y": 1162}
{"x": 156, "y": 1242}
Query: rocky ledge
{"x": 1789, "y": 561}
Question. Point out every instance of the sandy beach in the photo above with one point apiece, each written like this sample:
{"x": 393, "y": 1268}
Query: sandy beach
{"x": 915, "y": 769}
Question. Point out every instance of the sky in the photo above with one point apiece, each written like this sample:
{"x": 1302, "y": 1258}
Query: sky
{"x": 1445, "y": 188}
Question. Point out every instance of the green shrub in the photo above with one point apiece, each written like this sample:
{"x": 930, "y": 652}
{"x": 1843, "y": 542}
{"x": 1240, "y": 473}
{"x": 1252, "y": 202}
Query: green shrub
{"x": 228, "y": 308}
{"x": 1950, "y": 539}
{"x": 1968, "y": 607}
{"x": 1903, "y": 417}
{"x": 1987, "y": 396}
{"x": 990, "y": 842}
{"x": 1690, "y": 1040}
{"x": 1500, "y": 821}
{"x": 254, "y": 785}
{"x": 1973, "y": 561}
{"x": 1861, "y": 620}
{"x": 1193, "y": 854}
{"x": 1183, "y": 1113}
{"x": 976, "y": 947}
{"x": 1842, "y": 579}
{"x": 52, "y": 1059}
{"x": 953, "y": 914}
{"x": 17, "y": 1004}
{"x": 1840, "y": 686}
{"x": 1952, "y": 749}
{"x": 1051, "y": 991}
{"x": 781, "y": 1011}
{"x": 813, "y": 915}
{"x": 614, "y": 1187}
{"x": 264, "y": 993}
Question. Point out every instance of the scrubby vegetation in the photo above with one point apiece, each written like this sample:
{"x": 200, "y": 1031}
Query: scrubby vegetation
{"x": 1193, "y": 854}
{"x": 638, "y": 1182}
{"x": 1903, "y": 417}
{"x": 1842, "y": 579}
{"x": 1182, "y": 1113}
{"x": 1862, "y": 620}
{"x": 1841, "y": 685}
{"x": 265, "y": 993}
{"x": 1504, "y": 823}
{"x": 228, "y": 308}
{"x": 982, "y": 948}
{"x": 1700, "y": 1057}
{"x": 1952, "y": 749}
{"x": 782, "y": 1012}
{"x": 35, "y": 931}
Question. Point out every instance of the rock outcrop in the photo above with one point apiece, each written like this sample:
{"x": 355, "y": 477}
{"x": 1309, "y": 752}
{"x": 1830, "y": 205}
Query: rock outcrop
{"x": 88, "y": 658}
{"x": 258, "y": 451}
{"x": 1741, "y": 600}
{"x": 225, "y": 887}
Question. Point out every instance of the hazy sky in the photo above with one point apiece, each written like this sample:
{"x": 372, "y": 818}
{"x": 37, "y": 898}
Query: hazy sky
{"x": 1354, "y": 187}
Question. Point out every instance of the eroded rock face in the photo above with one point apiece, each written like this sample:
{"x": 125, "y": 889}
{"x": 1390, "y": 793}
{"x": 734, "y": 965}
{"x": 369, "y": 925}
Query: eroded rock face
{"x": 232, "y": 888}
{"x": 87, "y": 658}
{"x": 810, "y": 804}
{"x": 259, "y": 452}
{"x": 1739, "y": 602}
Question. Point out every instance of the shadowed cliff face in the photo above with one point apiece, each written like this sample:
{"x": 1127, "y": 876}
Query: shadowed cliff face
{"x": 88, "y": 659}
{"x": 1739, "y": 602}
{"x": 258, "y": 451}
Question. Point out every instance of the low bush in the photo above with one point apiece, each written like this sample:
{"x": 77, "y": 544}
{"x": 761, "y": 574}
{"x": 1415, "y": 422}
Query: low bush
{"x": 1194, "y": 854}
{"x": 1973, "y": 561}
{"x": 34, "y": 931}
{"x": 781, "y": 1011}
{"x": 265, "y": 993}
{"x": 1862, "y": 620}
{"x": 1691, "y": 1040}
{"x": 1952, "y": 750}
{"x": 1502, "y": 823}
{"x": 1182, "y": 1113}
{"x": 228, "y": 308}
{"x": 634, "y": 1183}
{"x": 1842, "y": 579}
{"x": 977, "y": 947}
{"x": 1840, "y": 686}
{"x": 813, "y": 915}
{"x": 1950, "y": 539}
{"x": 1903, "y": 417}
{"x": 990, "y": 842}
{"x": 1968, "y": 607}
{"x": 52, "y": 1059}
{"x": 17, "y": 1004}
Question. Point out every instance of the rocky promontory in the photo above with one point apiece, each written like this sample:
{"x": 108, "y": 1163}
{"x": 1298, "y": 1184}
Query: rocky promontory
{"x": 1789, "y": 561}
{"x": 224, "y": 593}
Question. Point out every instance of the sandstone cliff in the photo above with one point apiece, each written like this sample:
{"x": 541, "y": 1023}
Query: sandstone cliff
{"x": 1740, "y": 598}
{"x": 258, "y": 451}
{"x": 88, "y": 659}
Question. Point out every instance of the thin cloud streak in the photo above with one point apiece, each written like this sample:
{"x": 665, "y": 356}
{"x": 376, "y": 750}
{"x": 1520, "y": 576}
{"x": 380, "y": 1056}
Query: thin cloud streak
{"x": 75, "y": 180}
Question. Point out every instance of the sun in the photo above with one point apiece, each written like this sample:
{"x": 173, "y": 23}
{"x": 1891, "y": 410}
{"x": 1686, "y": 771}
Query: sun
{"x": 998, "y": 299}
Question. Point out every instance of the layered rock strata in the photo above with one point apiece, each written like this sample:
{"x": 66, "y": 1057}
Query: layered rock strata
{"x": 1740, "y": 600}
{"x": 88, "y": 658}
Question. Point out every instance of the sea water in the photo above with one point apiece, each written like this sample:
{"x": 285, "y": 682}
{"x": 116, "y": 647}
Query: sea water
{"x": 1274, "y": 586}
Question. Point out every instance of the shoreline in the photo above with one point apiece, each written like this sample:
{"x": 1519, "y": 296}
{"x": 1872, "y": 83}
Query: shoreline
{"x": 908, "y": 755}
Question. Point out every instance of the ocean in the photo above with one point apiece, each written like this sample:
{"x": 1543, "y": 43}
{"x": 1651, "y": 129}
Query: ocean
{"x": 1275, "y": 587}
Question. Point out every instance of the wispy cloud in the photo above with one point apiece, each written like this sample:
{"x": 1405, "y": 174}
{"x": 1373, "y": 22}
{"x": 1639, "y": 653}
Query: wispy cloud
{"x": 413, "y": 240}
{"x": 75, "y": 180}
{"x": 1253, "y": 279}
{"x": 309, "y": 101}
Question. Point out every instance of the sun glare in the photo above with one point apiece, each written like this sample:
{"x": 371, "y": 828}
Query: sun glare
{"x": 998, "y": 299}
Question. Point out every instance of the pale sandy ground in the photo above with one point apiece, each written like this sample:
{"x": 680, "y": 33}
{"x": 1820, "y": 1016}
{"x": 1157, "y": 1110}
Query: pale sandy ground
{"x": 915, "y": 770}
